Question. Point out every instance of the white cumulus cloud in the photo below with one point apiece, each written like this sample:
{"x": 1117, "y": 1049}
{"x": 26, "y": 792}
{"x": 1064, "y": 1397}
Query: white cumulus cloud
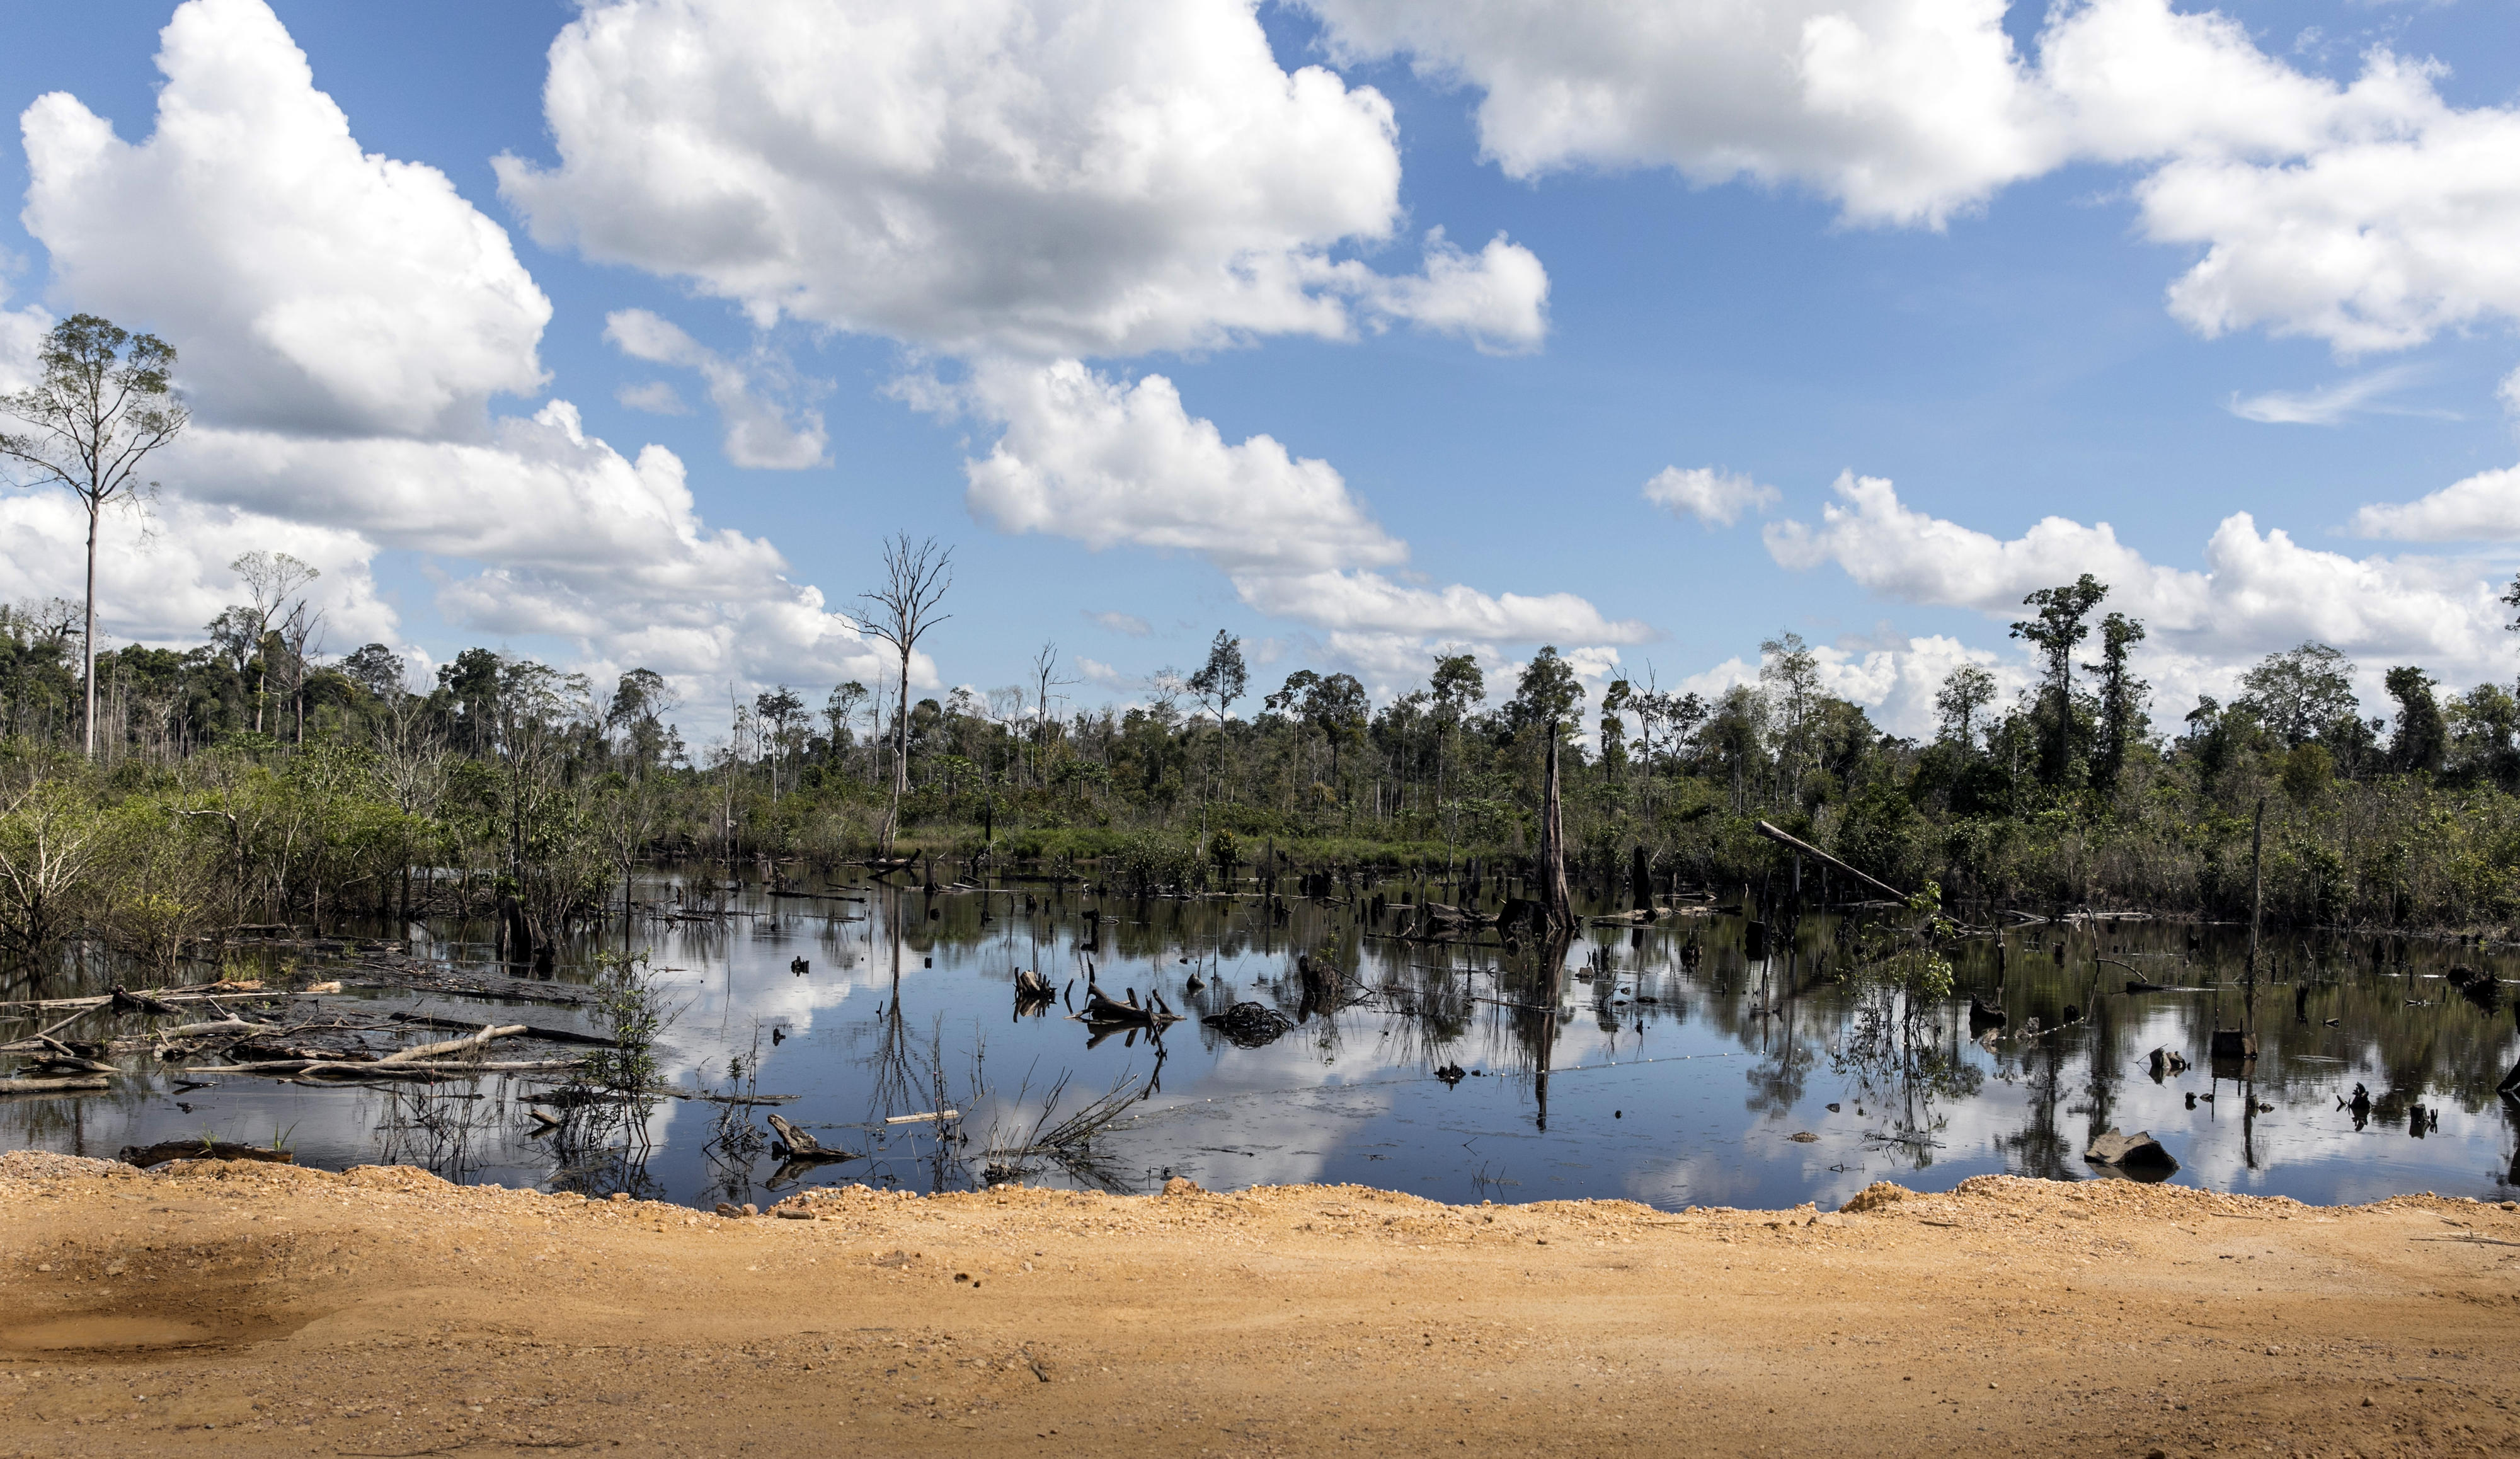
{"x": 1042, "y": 177}
{"x": 2258, "y": 592}
{"x": 345, "y": 321}
{"x": 22, "y": 342}
{"x": 162, "y": 577}
{"x": 1905, "y": 111}
{"x": 307, "y": 284}
{"x": 2482, "y": 508}
{"x": 576, "y": 539}
{"x": 1108, "y": 461}
{"x": 2373, "y": 215}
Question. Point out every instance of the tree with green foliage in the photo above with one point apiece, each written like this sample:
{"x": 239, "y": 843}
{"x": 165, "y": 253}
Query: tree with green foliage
{"x": 1616, "y": 702}
{"x": 2301, "y": 693}
{"x": 2123, "y": 697}
{"x": 104, "y": 402}
{"x": 1224, "y": 678}
{"x": 1965, "y": 693}
{"x": 2058, "y": 629}
{"x": 1547, "y": 695}
{"x": 2421, "y": 737}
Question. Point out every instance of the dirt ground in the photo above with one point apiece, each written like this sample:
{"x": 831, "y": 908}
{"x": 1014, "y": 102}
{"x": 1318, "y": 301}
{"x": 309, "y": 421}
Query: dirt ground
{"x": 262, "y": 1309}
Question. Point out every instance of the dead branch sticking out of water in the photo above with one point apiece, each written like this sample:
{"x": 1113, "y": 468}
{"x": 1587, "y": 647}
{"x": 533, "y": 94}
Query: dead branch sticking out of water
{"x": 1101, "y": 1008}
{"x": 796, "y": 1146}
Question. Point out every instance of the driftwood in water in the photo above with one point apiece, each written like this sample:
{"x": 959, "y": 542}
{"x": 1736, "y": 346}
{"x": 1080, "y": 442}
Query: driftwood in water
{"x": 214, "y": 1029}
{"x": 531, "y": 1031}
{"x": 72, "y": 1084}
{"x": 1101, "y": 1008}
{"x": 420, "y": 1053}
{"x": 145, "y": 1156}
{"x": 56, "y": 1065}
{"x": 794, "y": 1145}
{"x": 227, "y": 992}
{"x": 413, "y": 1069}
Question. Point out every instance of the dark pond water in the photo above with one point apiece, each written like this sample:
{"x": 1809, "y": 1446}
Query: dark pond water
{"x": 1675, "y": 1069}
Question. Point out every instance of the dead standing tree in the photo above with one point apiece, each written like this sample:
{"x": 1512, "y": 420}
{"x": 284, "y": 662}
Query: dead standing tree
{"x": 104, "y": 401}
{"x": 916, "y": 577}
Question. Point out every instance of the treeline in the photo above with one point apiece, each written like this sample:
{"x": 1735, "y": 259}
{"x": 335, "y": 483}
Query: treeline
{"x": 255, "y": 781}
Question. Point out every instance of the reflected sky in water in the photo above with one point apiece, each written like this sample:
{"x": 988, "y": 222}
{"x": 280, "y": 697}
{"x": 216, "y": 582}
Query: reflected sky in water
{"x": 1674, "y": 1069}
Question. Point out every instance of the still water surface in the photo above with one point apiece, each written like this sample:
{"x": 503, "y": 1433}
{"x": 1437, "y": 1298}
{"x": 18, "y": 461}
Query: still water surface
{"x": 1674, "y": 1070}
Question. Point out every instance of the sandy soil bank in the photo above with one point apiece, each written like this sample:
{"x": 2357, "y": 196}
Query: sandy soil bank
{"x": 259, "y": 1310}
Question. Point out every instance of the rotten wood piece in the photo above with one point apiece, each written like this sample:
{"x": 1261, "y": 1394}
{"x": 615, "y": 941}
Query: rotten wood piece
{"x": 69, "y": 1085}
{"x": 794, "y": 1145}
{"x": 303, "y": 1067}
{"x": 531, "y": 1031}
{"x": 476, "y": 1041}
{"x": 232, "y": 991}
{"x": 1101, "y": 1008}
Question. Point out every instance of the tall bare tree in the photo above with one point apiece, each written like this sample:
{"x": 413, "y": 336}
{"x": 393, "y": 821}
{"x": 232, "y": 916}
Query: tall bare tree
{"x": 105, "y": 402}
{"x": 1045, "y": 674}
{"x": 916, "y": 577}
{"x": 272, "y": 579}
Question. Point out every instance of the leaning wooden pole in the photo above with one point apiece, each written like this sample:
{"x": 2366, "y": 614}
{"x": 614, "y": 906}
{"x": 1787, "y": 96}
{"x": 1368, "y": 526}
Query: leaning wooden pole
{"x": 1805, "y": 847}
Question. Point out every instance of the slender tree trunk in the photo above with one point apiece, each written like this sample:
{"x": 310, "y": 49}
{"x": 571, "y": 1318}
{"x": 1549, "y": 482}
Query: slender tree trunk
{"x": 1552, "y": 844}
{"x": 87, "y": 638}
{"x": 900, "y": 756}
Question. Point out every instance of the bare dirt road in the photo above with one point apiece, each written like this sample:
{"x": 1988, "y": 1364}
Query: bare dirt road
{"x": 238, "y": 1308}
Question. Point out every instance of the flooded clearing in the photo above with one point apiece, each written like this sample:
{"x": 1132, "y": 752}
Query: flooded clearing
{"x": 1692, "y": 1061}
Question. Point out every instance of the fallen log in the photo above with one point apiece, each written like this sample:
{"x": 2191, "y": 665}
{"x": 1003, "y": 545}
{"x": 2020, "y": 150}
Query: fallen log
{"x": 70, "y": 1085}
{"x": 51, "y": 1065}
{"x": 217, "y": 1026}
{"x": 157, "y": 995}
{"x": 298, "y": 1068}
{"x": 481, "y": 1040}
{"x": 531, "y": 1031}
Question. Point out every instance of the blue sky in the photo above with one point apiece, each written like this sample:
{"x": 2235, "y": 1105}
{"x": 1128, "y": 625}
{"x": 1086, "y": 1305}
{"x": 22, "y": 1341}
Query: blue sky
{"x": 2014, "y": 286}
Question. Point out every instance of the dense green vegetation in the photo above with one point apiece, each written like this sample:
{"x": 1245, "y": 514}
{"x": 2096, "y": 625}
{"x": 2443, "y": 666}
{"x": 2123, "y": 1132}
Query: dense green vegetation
{"x": 248, "y": 781}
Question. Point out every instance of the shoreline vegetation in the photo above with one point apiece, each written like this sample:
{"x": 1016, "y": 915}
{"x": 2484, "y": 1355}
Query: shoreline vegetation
{"x": 254, "y": 783}
{"x": 266, "y": 1309}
